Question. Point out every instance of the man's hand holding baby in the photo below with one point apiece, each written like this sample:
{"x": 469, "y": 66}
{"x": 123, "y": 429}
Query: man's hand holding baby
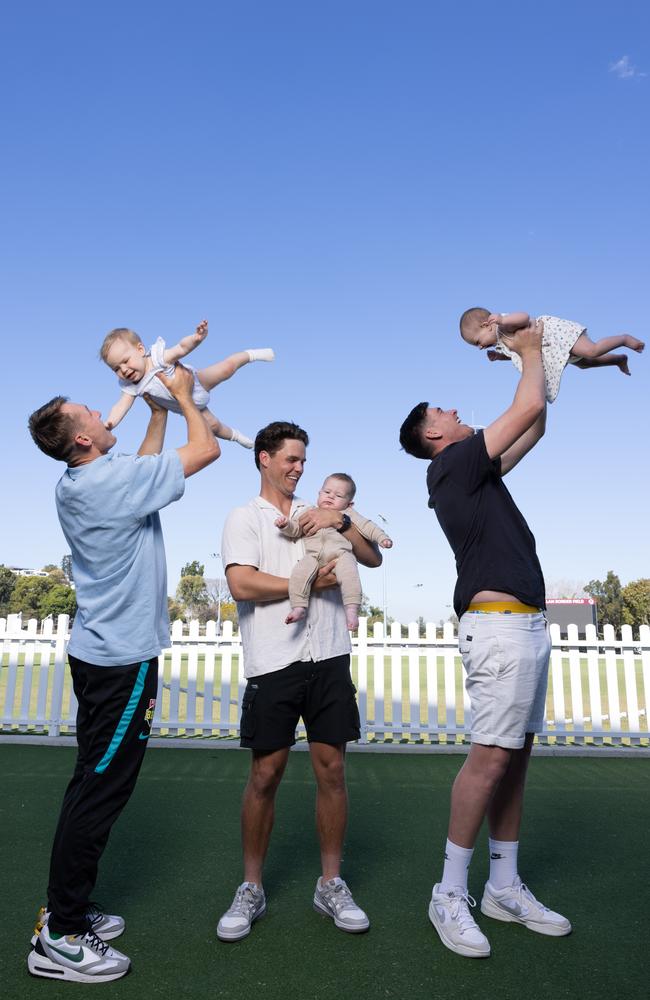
{"x": 528, "y": 339}
{"x": 180, "y": 384}
{"x": 318, "y": 517}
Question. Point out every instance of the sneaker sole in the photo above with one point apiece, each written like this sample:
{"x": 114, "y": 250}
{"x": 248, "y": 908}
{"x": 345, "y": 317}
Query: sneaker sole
{"x": 493, "y": 910}
{"x": 350, "y": 928}
{"x": 238, "y": 935}
{"x": 460, "y": 949}
{"x": 45, "y": 968}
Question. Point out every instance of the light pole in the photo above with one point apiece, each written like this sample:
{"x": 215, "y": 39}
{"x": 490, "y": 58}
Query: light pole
{"x": 217, "y": 557}
{"x": 384, "y": 581}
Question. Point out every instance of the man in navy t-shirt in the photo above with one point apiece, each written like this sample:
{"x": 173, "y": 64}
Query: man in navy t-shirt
{"x": 503, "y": 639}
{"x": 108, "y": 507}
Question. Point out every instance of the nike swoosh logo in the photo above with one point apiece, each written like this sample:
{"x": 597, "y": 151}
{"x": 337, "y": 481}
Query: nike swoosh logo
{"x": 144, "y": 736}
{"x": 76, "y": 957}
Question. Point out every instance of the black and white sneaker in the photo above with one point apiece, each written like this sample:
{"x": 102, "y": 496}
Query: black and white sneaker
{"x": 105, "y": 925}
{"x": 79, "y": 958}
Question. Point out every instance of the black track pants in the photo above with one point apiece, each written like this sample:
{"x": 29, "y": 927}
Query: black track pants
{"x": 116, "y": 707}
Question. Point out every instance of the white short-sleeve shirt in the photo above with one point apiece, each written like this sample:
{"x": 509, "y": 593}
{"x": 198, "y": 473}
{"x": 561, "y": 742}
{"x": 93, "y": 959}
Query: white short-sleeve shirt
{"x": 250, "y": 538}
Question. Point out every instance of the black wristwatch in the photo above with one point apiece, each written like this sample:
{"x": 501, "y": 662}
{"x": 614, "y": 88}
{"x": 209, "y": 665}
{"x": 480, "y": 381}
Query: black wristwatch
{"x": 346, "y": 524}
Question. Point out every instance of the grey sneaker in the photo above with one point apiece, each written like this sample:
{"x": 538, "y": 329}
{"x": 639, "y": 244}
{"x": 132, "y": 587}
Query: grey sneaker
{"x": 248, "y": 906}
{"x": 334, "y": 899}
{"x": 105, "y": 925}
{"x": 516, "y": 904}
{"x": 456, "y": 927}
{"x": 79, "y": 958}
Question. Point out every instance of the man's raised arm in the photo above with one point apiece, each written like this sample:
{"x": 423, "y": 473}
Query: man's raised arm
{"x": 517, "y": 430}
{"x": 202, "y": 447}
{"x": 155, "y": 435}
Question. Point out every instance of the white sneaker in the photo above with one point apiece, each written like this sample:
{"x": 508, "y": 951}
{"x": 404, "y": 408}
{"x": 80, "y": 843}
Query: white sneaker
{"x": 105, "y": 925}
{"x": 79, "y": 958}
{"x": 456, "y": 927}
{"x": 248, "y": 905}
{"x": 516, "y": 904}
{"x": 334, "y": 899}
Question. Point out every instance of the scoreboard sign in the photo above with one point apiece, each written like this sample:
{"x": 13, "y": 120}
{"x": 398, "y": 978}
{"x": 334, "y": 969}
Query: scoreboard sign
{"x": 566, "y": 611}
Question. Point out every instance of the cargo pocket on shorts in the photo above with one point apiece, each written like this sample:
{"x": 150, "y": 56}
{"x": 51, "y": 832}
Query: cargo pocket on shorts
{"x": 247, "y": 723}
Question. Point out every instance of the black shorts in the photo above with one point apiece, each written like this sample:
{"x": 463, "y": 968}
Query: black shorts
{"x": 322, "y": 693}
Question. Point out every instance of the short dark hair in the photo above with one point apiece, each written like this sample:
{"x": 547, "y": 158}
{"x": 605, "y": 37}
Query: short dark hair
{"x": 410, "y": 434}
{"x": 471, "y": 316}
{"x": 270, "y": 438}
{"x": 345, "y": 478}
{"x": 53, "y": 432}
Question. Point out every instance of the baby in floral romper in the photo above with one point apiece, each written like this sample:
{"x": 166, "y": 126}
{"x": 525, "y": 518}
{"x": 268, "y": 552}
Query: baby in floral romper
{"x": 564, "y": 342}
{"x": 336, "y": 493}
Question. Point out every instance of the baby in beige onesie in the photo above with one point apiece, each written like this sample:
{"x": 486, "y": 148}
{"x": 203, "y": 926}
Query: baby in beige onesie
{"x": 336, "y": 493}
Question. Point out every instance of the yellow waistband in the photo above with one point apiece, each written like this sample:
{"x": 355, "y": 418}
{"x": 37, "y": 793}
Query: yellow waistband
{"x": 505, "y": 607}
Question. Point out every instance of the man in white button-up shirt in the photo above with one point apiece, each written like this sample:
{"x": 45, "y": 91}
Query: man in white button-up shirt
{"x": 301, "y": 669}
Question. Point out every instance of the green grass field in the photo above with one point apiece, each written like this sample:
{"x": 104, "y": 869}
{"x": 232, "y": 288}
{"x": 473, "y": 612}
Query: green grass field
{"x": 173, "y": 862}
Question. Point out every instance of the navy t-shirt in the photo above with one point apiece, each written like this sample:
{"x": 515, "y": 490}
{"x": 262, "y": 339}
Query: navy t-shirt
{"x": 493, "y": 545}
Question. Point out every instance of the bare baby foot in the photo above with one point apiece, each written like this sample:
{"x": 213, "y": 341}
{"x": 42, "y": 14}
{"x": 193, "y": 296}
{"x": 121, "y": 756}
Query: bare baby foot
{"x": 352, "y": 616}
{"x": 622, "y": 364}
{"x": 634, "y": 344}
{"x": 295, "y": 615}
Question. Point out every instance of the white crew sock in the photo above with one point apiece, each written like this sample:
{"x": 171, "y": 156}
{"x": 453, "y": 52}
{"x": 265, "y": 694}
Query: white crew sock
{"x": 241, "y": 439}
{"x": 261, "y": 354}
{"x": 503, "y": 862}
{"x": 457, "y": 861}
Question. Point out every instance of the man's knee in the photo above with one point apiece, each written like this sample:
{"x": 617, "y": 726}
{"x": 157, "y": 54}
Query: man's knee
{"x": 487, "y": 764}
{"x": 329, "y": 767}
{"x": 266, "y": 774}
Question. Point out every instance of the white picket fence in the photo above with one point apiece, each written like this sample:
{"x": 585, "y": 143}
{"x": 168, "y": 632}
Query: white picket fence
{"x": 409, "y": 689}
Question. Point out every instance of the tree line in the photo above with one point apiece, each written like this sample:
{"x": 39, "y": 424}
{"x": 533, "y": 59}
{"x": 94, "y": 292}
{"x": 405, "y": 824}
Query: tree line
{"x": 38, "y": 596}
{"x": 210, "y": 600}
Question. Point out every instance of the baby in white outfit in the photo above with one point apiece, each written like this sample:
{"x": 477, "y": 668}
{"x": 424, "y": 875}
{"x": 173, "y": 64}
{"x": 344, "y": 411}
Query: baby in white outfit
{"x": 564, "y": 342}
{"x": 136, "y": 369}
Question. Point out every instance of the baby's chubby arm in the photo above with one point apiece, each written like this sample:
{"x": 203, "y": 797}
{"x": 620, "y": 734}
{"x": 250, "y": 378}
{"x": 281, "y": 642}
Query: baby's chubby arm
{"x": 290, "y": 529}
{"x": 119, "y": 410}
{"x": 508, "y": 322}
{"x": 369, "y": 529}
{"x": 173, "y": 354}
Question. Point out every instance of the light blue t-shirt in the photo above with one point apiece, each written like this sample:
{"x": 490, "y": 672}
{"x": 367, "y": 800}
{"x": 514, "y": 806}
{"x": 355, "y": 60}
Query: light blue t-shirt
{"x": 108, "y": 511}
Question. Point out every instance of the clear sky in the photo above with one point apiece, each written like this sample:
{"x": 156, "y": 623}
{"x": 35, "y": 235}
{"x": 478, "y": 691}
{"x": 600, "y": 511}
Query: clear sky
{"x": 340, "y": 181}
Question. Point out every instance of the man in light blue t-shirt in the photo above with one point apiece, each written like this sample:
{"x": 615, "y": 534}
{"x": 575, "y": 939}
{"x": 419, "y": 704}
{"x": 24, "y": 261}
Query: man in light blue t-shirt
{"x": 108, "y": 508}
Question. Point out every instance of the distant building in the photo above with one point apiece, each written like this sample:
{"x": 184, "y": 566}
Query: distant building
{"x": 22, "y": 571}
{"x": 564, "y": 611}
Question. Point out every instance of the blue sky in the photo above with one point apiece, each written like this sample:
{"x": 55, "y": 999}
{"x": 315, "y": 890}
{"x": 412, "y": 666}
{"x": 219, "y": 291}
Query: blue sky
{"x": 338, "y": 181}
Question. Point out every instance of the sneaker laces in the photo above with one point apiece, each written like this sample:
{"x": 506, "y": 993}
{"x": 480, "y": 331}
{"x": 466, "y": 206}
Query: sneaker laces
{"x": 338, "y": 895}
{"x": 460, "y": 904}
{"x": 244, "y": 902}
{"x": 94, "y": 942}
{"x": 526, "y": 895}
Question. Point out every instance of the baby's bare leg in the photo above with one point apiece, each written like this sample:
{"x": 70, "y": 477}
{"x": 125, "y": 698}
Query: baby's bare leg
{"x": 586, "y": 348}
{"x": 221, "y": 371}
{"x": 224, "y": 432}
{"x": 606, "y": 361}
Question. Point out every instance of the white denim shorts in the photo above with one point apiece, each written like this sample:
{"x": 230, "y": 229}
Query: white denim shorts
{"x": 506, "y": 659}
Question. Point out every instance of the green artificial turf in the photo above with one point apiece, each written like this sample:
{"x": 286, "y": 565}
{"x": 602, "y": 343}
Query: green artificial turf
{"x": 173, "y": 863}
